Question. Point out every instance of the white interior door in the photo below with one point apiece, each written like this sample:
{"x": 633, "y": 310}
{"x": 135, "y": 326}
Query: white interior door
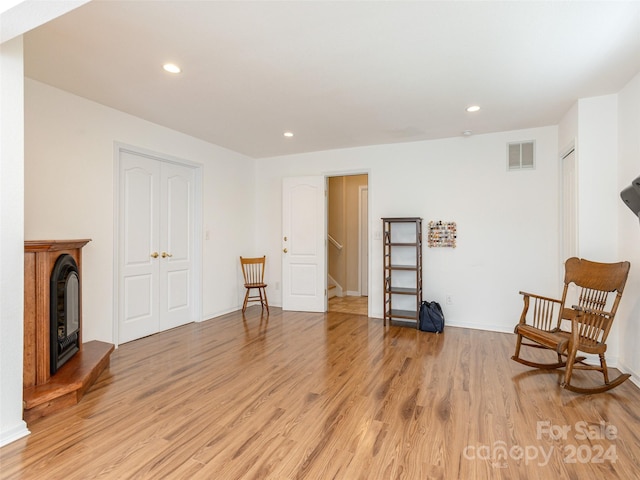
{"x": 155, "y": 247}
{"x": 303, "y": 244}
{"x": 176, "y": 245}
{"x": 139, "y": 264}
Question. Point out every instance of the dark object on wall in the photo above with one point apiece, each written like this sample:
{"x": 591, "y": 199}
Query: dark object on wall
{"x": 631, "y": 196}
{"x": 431, "y": 317}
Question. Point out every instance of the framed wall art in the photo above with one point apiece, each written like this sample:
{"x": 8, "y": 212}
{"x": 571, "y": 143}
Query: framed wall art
{"x": 442, "y": 234}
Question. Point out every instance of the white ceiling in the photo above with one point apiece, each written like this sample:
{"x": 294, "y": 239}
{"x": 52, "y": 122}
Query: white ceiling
{"x": 338, "y": 73}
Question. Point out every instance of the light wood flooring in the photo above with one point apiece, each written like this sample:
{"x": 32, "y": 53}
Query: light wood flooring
{"x": 349, "y": 304}
{"x": 329, "y": 396}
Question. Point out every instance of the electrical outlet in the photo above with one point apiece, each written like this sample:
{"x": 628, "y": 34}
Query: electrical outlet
{"x": 449, "y": 300}
{"x": 277, "y": 285}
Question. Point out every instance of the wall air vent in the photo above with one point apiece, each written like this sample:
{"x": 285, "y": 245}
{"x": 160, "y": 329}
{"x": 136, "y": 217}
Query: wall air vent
{"x": 521, "y": 155}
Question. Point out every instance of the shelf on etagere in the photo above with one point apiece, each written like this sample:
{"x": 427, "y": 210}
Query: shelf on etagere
{"x": 402, "y": 290}
{"x": 402, "y": 263}
{"x": 404, "y": 314}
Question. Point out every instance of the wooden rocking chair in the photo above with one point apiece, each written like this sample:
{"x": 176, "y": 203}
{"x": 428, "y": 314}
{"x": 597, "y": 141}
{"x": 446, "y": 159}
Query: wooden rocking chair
{"x": 600, "y": 288}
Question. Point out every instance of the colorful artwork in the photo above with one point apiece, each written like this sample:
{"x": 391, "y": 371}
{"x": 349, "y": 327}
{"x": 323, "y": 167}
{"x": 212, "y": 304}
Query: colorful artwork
{"x": 442, "y": 234}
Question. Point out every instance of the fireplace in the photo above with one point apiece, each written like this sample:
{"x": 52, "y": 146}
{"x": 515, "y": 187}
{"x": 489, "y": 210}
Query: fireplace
{"x": 58, "y": 366}
{"x": 64, "y": 311}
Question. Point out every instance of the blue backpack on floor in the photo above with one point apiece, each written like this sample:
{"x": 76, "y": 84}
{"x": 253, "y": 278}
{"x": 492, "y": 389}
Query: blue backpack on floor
{"x": 431, "y": 318}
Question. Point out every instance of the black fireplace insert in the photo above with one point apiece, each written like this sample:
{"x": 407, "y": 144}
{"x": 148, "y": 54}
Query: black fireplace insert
{"x": 64, "y": 311}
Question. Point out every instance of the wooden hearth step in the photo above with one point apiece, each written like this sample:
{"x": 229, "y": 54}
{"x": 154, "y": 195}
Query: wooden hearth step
{"x": 70, "y": 382}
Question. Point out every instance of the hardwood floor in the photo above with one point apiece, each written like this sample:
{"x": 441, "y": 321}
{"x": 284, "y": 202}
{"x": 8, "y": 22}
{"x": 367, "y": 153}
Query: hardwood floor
{"x": 349, "y": 304}
{"x": 329, "y": 396}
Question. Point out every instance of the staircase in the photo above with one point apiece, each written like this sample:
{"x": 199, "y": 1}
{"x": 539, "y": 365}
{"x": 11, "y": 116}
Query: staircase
{"x": 333, "y": 289}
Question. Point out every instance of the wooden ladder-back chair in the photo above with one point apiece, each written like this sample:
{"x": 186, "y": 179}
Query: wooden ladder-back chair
{"x": 600, "y": 287}
{"x": 253, "y": 272}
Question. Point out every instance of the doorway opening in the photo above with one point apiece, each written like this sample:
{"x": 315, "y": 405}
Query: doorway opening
{"x": 348, "y": 244}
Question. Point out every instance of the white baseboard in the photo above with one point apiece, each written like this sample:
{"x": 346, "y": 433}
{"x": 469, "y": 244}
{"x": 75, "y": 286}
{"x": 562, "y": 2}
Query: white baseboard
{"x": 220, "y": 313}
{"x": 473, "y": 326}
{"x": 12, "y": 434}
{"x": 635, "y": 378}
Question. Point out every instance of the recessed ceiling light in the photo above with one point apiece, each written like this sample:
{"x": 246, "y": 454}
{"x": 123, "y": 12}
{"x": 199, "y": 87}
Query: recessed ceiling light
{"x": 473, "y": 108}
{"x": 467, "y": 133}
{"x": 288, "y": 134}
{"x": 171, "y": 68}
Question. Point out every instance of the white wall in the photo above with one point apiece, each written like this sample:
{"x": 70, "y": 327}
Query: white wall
{"x": 568, "y": 129}
{"x": 628, "y": 321}
{"x": 598, "y": 193}
{"x": 507, "y": 221}
{"x": 11, "y": 240}
{"x": 593, "y": 124}
{"x": 596, "y": 125}
{"x": 69, "y": 193}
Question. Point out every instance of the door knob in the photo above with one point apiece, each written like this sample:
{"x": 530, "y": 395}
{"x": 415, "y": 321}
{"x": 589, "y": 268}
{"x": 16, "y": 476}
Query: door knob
{"x": 165, "y": 255}
{"x": 285, "y": 250}
{"x": 154, "y": 255}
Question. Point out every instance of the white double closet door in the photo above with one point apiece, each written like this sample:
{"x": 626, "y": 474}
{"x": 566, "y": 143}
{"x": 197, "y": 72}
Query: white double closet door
{"x": 156, "y": 245}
